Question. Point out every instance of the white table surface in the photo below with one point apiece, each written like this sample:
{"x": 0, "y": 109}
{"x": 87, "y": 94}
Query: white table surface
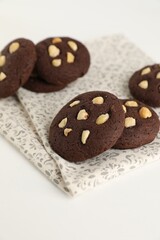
{"x": 31, "y": 208}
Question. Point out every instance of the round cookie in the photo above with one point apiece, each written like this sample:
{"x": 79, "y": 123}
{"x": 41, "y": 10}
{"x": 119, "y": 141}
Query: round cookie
{"x": 145, "y": 85}
{"x": 37, "y": 84}
{"x": 62, "y": 60}
{"x": 88, "y": 125}
{"x": 17, "y": 61}
{"x": 141, "y": 125}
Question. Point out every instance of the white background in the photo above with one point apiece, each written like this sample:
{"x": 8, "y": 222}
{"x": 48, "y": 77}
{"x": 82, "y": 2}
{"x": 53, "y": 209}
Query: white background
{"x": 31, "y": 208}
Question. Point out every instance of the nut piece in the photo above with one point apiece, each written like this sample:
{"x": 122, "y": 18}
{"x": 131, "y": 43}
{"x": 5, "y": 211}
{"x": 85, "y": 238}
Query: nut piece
{"x": 57, "y": 62}
{"x": 143, "y": 84}
{"x": 73, "y": 45}
{"x": 2, "y": 76}
{"x": 129, "y": 122}
{"x": 131, "y": 104}
{"x": 74, "y": 103}
{"x": 2, "y": 60}
{"x": 63, "y": 123}
{"x": 98, "y": 100}
{"x": 56, "y": 40}
{"x": 53, "y": 51}
{"x": 144, "y": 112}
{"x": 146, "y": 71}
{"x": 67, "y": 131}
{"x": 102, "y": 119}
{"x": 70, "y": 57}
{"x": 158, "y": 76}
{"x": 82, "y": 115}
{"x": 85, "y": 135}
{"x": 124, "y": 108}
{"x": 14, "y": 47}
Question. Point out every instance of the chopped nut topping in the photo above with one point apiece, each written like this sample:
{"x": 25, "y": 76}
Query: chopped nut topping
{"x": 57, "y": 62}
{"x": 85, "y": 135}
{"x": 102, "y": 119}
{"x": 14, "y": 47}
{"x": 73, "y": 45}
{"x": 144, "y": 112}
{"x": 82, "y": 115}
{"x": 98, "y": 100}
{"x": 146, "y": 71}
{"x": 74, "y": 103}
{"x": 70, "y": 57}
{"x": 143, "y": 84}
{"x": 63, "y": 123}
{"x": 2, "y": 76}
{"x": 131, "y": 104}
{"x": 129, "y": 122}
{"x": 53, "y": 51}
{"x": 56, "y": 40}
{"x": 67, "y": 131}
{"x": 2, "y": 60}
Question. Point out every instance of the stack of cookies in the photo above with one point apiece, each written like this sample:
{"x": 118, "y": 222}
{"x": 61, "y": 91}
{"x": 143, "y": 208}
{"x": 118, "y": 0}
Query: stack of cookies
{"x": 46, "y": 67}
{"x": 93, "y": 122}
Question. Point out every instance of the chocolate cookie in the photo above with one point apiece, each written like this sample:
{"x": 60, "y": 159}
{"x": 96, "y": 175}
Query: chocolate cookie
{"x": 17, "y": 61}
{"x": 141, "y": 125}
{"x": 145, "y": 85}
{"x": 87, "y": 126}
{"x": 37, "y": 84}
{"x": 62, "y": 60}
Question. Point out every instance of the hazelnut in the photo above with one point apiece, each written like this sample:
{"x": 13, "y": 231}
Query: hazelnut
{"x": 85, "y": 135}
{"x": 70, "y": 57}
{"x": 53, "y": 51}
{"x": 143, "y": 84}
{"x": 62, "y": 123}
{"x": 56, "y": 40}
{"x": 74, "y": 103}
{"x": 98, "y": 100}
{"x": 144, "y": 112}
{"x": 14, "y": 47}
{"x": 124, "y": 108}
{"x": 73, "y": 45}
{"x": 129, "y": 122}
{"x": 57, "y": 62}
{"x": 158, "y": 76}
{"x": 2, "y": 76}
{"x": 131, "y": 104}
{"x": 102, "y": 119}
{"x": 146, "y": 71}
{"x": 2, "y": 60}
{"x": 67, "y": 131}
{"x": 82, "y": 115}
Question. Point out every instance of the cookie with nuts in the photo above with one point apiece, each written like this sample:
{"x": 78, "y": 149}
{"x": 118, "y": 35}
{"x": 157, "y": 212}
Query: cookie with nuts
{"x": 62, "y": 60}
{"x": 17, "y": 61}
{"x": 88, "y": 125}
{"x": 37, "y": 84}
{"x": 141, "y": 125}
{"x": 145, "y": 85}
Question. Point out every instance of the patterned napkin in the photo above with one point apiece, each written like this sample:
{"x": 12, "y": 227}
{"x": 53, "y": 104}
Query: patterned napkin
{"x": 26, "y": 123}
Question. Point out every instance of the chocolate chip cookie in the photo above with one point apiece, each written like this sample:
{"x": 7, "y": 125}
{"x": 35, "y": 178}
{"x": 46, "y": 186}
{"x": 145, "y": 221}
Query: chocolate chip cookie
{"x": 17, "y": 61}
{"x": 62, "y": 60}
{"x": 88, "y": 125}
{"x": 145, "y": 85}
{"x": 141, "y": 125}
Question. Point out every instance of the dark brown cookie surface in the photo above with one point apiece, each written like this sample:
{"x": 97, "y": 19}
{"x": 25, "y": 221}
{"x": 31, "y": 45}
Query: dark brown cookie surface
{"x": 62, "y": 60}
{"x": 37, "y": 84}
{"x": 141, "y": 125}
{"x": 87, "y": 126}
{"x": 145, "y": 85}
{"x": 17, "y": 61}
